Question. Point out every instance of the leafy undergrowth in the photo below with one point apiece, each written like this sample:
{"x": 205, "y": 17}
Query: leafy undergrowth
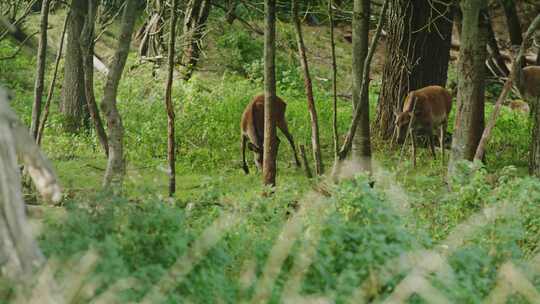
{"x": 359, "y": 237}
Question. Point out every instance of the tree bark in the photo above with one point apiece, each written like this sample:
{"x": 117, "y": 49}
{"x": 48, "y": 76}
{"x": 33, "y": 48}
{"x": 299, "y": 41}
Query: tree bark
{"x": 73, "y": 103}
{"x": 417, "y": 54}
{"x": 52, "y": 84}
{"x": 512, "y": 20}
{"x": 194, "y": 25}
{"x": 169, "y": 104}
{"x": 315, "y": 144}
{"x": 86, "y": 43}
{"x": 334, "y": 81}
{"x": 534, "y": 147}
{"x": 19, "y": 253}
{"x": 270, "y": 144}
{"x": 40, "y": 70}
{"x": 469, "y": 122}
{"x": 361, "y": 145}
{"x": 115, "y": 171}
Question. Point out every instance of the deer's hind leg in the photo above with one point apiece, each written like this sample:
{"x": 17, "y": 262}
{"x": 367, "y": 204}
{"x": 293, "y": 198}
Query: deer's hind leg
{"x": 243, "y": 149}
{"x": 431, "y": 145}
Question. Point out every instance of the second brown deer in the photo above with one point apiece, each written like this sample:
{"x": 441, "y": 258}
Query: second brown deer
{"x": 424, "y": 110}
{"x": 252, "y": 129}
{"x": 529, "y": 81}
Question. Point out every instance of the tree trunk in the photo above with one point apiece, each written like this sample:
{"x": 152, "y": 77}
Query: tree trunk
{"x": 194, "y": 25}
{"x": 52, "y": 84}
{"x": 315, "y": 145}
{"x": 417, "y": 54}
{"x": 169, "y": 104}
{"x": 86, "y": 43}
{"x": 334, "y": 81}
{"x": 20, "y": 256}
{"x": 512, "y": 20}
{"x": 73, "y": 102}
{"x": 534, "y": 147}
{"x": 361, "y": 145}
{"x": 270, "y": 144}
{"x": 469, "y": 122}
{"x": 116, "y": 164}
{"x": 40, "y": 71}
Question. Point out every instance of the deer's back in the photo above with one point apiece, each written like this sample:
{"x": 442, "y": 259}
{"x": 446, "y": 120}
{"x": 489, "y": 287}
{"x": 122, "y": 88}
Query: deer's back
{"x": 252, "y": 123}
{"x": 254, "y": 112}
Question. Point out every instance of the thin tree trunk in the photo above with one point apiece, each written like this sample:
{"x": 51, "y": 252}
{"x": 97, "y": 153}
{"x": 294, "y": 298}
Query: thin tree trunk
{"x": 40, "y": 70}
{"x": 270, "y": 144}
{"x": 347, "y": 144}
{"x": 194, "y": 26}
{"x": 116, "y": 165}
{"x": 334, "y": 81}
{"x": 480, "y": 150}
{"x": 169, "y": 104}
{"x": 417, "y": 54}
{"x": 87, "y": 49}
{"x": 53, "y": 83}
{"x": 534, "y": 147}
{"x": 361, "y": 145}
{"x": 73, "y": 103}
{"x": 469, "y": 124}
{"x": 315, "y": 144}
{"x": 512, "y": 19}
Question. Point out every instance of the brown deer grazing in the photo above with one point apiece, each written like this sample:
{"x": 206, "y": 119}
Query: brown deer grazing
{"x": 252, "y": 129}
{"x": 423, "y": 110}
